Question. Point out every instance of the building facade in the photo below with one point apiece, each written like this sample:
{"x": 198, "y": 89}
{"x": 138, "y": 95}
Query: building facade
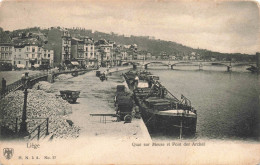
{"x": 47, "y": 57}
{"x": 66, "y": 47}
{"x": 90, "y": 53}
{"x": 6, "y": 52}
{"x": 29, "y": 55}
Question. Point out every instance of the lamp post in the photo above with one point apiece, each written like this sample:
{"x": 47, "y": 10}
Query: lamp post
{"x": 23, "y": 126}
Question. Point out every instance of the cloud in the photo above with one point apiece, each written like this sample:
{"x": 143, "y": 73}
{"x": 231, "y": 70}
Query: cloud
{"x": 218, "y": 26}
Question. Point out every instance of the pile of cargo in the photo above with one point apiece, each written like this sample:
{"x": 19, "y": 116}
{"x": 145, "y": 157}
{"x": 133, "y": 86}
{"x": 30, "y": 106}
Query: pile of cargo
{"x": 43, "y": 85}
{"x": 40, "y": 105}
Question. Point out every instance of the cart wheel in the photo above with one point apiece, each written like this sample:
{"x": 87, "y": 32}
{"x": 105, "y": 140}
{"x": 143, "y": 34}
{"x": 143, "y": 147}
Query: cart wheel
{"x": 128, "y": 118}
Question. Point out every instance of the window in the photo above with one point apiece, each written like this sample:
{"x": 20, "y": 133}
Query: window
{"x": 6, "y": 55}
{"x": 86, "y": 49}
{"x": 6, "y": 48}
{"x": 26, "y": 55}
{"x": 49, "y": 55}
{"x": 14, "y": 62}
{"x": 28, "y": 48}
{"x": 19, "y": 62}
{"x": 19, "y": 50}
{"x": 19, "y": 56}
{"x": 2, "y": 48}
{"x": 33, "y": 56}
{"x": 44, "y": 55}
{"x": 2, "y": 55}
{"x": 39, "y": 49}
{"x": 33, "y": 49}
{"x": 38, "y": 55}
{"x": 26, "y": 63}
{"x": 14, "y": 56}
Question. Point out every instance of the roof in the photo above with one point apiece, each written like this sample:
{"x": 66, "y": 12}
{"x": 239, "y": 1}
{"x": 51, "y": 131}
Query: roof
{"x": 6, "y": 44}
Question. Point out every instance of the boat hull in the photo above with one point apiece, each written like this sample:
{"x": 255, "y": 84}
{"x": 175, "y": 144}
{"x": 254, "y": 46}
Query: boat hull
{"x": 169, "y": 125}
{"x": 176, "y": 122}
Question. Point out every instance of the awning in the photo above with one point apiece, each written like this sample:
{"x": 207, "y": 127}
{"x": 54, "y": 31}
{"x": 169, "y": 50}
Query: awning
{"x": 20, "y": 66}
{"x": 74, "y": 63}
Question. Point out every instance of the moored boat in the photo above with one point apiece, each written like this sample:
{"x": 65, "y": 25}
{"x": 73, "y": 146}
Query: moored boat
{"x": 161, "y": 110}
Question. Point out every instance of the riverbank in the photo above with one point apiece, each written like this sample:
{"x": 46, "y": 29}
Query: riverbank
{"x": 97, "y": 97}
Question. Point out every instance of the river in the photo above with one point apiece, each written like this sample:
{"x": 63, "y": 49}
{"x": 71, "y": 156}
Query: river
{"x": 227, "y": 102}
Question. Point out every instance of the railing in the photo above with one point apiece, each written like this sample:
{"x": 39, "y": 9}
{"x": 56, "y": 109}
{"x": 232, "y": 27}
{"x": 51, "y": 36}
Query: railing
{"x": 41, "y": 130}
{"x": 19, "y": 84}
{"x": 34, "y": 79}
{"x": 11, "y": 124}
{"x": 11, "y": 87}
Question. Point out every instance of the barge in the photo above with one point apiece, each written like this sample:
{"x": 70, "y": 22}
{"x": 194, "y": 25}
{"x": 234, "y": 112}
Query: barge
{"x": 161, "y": 110}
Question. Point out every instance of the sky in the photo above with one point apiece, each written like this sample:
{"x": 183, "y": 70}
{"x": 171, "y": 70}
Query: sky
{"x": 223, "y": 26}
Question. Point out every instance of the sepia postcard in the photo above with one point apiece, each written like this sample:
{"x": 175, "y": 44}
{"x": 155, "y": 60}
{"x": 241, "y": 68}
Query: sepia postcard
{"x": 129, "y": 82}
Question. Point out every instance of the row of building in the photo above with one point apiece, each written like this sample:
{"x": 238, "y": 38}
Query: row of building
{"x": 59, "y": 47}
{"x": 26, "y": 54}
{"x": 63, "y": 49}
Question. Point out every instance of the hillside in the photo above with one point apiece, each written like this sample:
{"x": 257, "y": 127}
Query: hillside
{"x": 158, "y": 46}
{"x": 144, "y": 43}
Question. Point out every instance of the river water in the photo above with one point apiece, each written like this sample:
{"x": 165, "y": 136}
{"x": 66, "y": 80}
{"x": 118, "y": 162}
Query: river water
{"x": 227, "y": 102}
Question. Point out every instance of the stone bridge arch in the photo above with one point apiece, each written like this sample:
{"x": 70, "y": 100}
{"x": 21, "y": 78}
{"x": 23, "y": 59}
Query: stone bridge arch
{"x": 166, "y": 63}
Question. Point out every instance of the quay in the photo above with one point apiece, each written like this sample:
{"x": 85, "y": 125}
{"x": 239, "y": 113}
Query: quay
{"x": 95, "y": 97}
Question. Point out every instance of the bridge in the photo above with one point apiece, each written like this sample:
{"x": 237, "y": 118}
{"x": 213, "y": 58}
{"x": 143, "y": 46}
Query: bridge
{"x": 200, "y": 64}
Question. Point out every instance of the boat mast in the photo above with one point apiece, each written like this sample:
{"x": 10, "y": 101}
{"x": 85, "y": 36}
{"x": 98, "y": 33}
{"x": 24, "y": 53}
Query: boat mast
{"x": 181, "y": 130}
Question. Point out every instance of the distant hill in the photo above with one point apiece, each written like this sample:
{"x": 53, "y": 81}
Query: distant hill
{"x": 144, "y": 43}
{"x": 158, "y": 46}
